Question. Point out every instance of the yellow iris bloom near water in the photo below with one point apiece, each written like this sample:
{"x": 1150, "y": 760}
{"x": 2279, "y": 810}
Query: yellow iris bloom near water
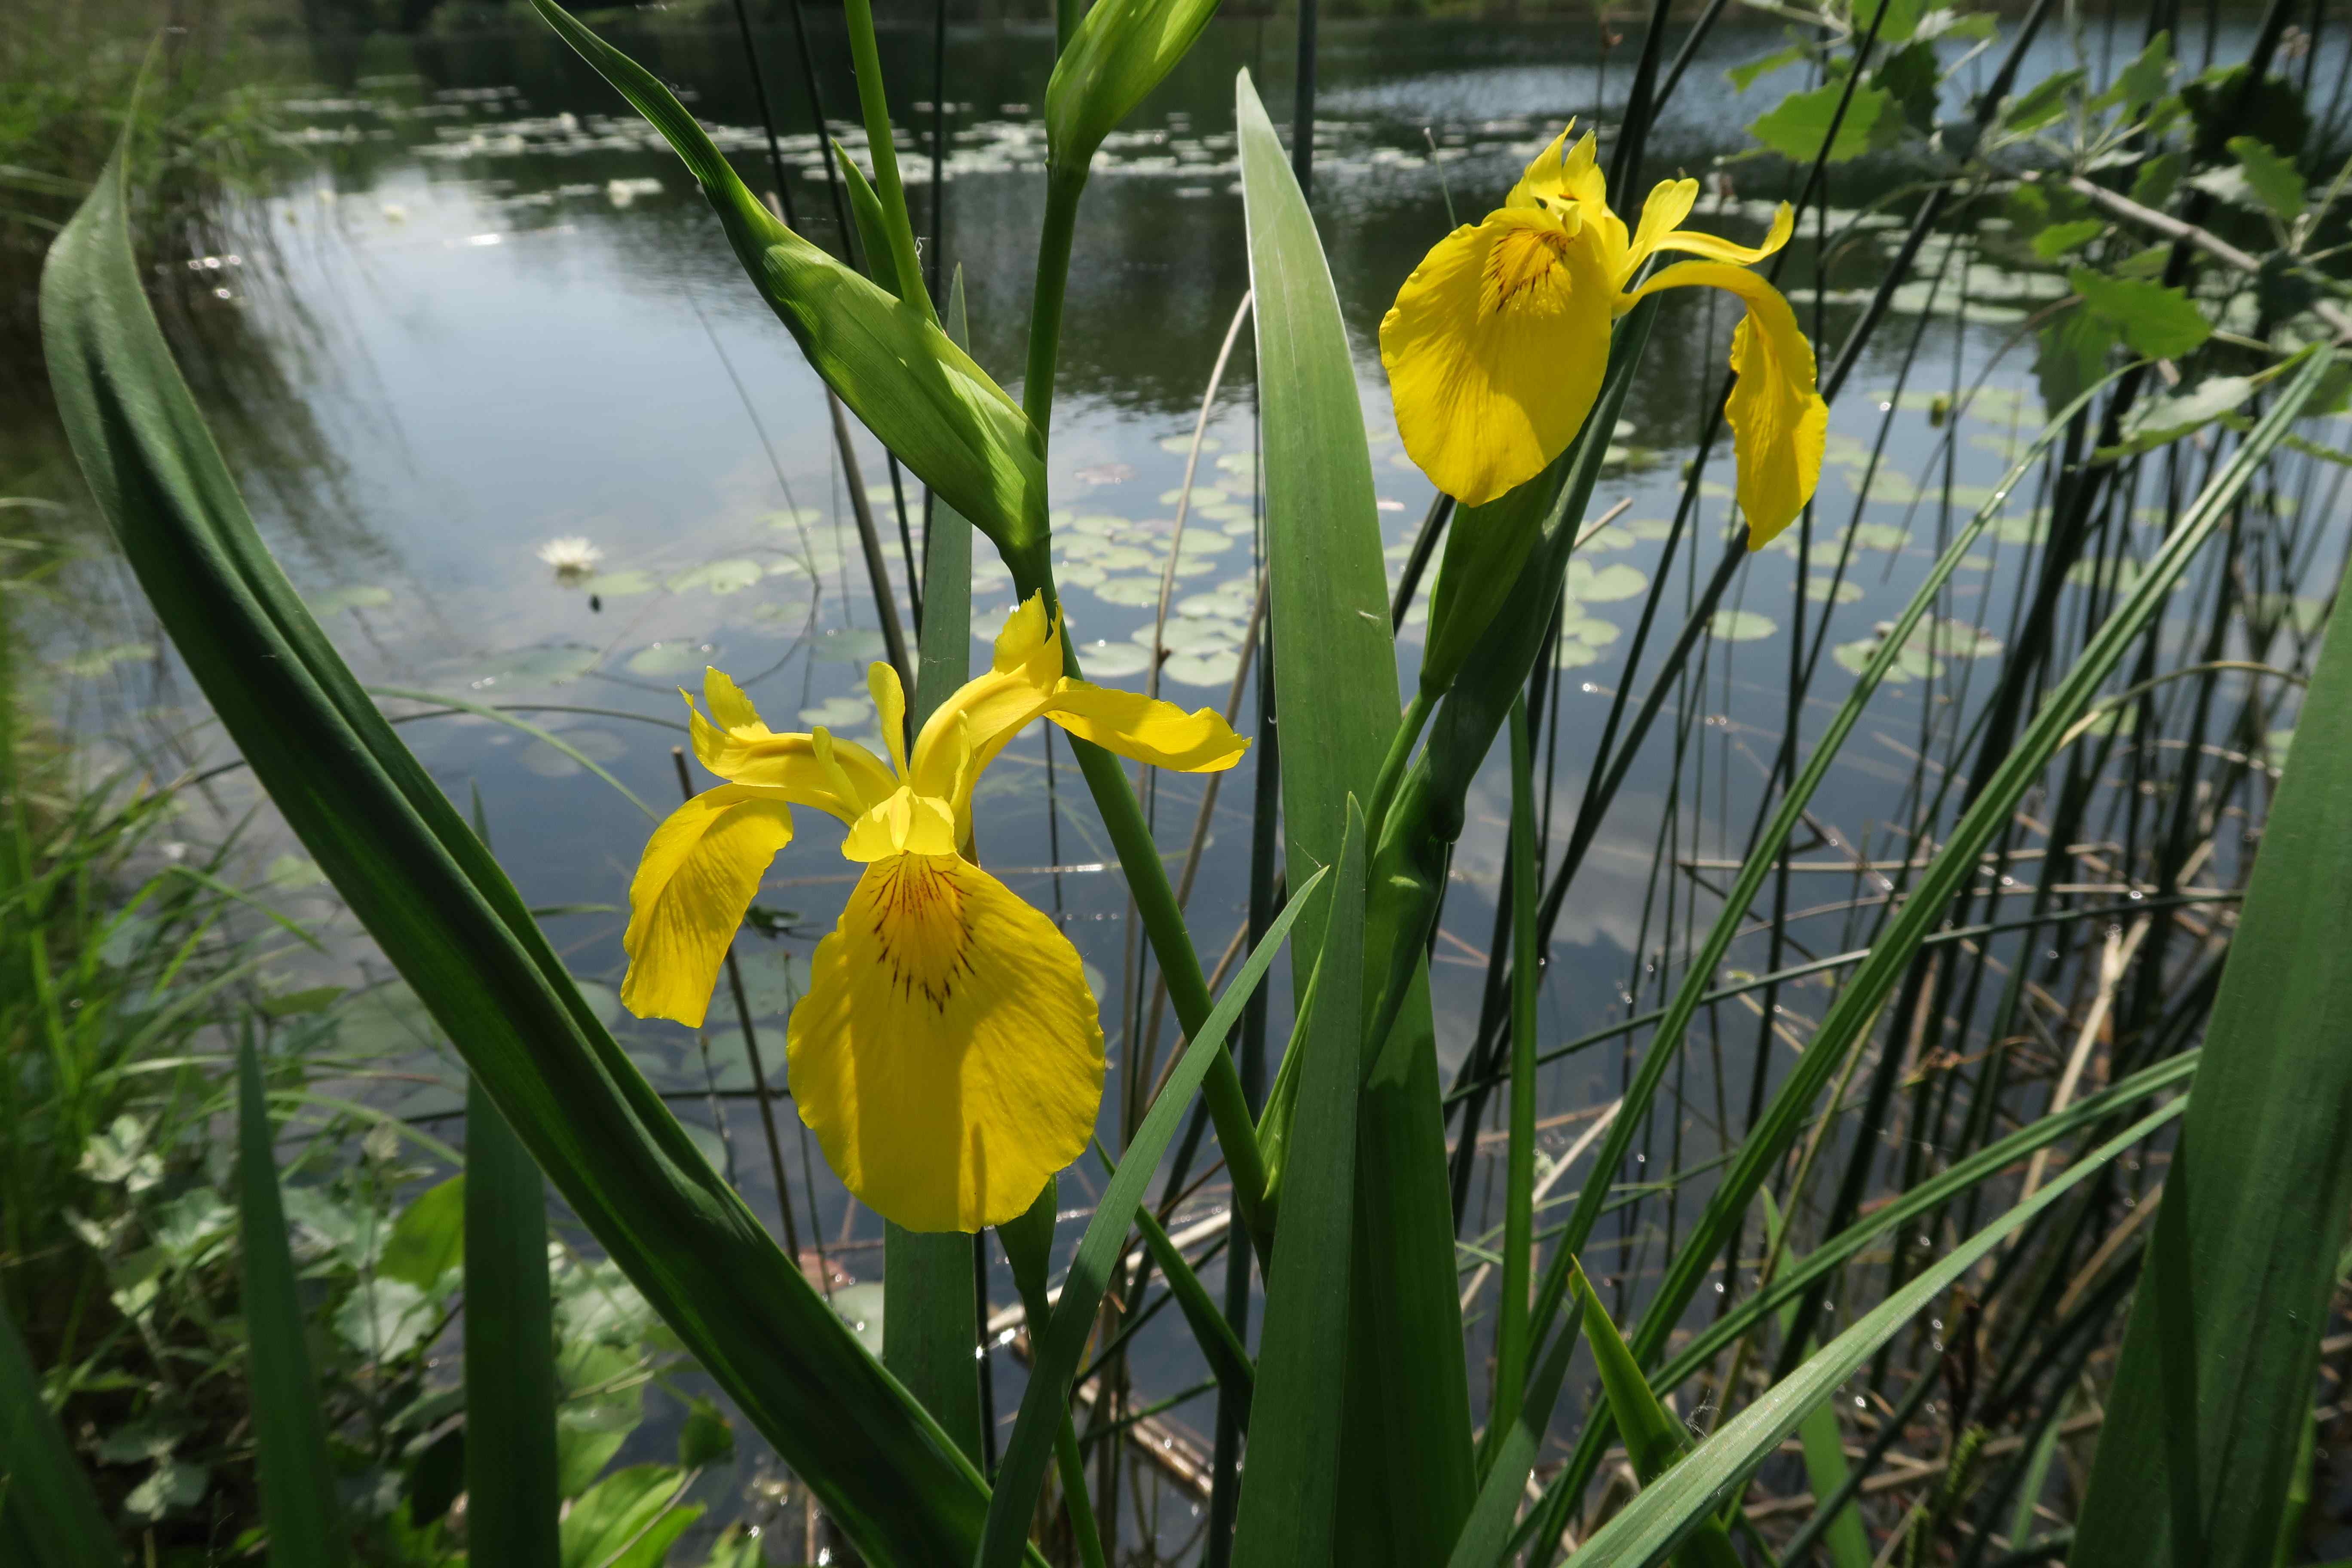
{"x": 948, "y": 1055}
{"x": 1496, "y": 344}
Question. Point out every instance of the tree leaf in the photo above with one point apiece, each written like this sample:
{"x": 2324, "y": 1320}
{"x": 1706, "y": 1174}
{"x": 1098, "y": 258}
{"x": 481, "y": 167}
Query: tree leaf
{"x": 1797, "y": 127}
{"x": 2040, "y": 104}
{"x": 428, "y": 1239}
{"x": 2275, "y": 180}
{"x": 2158, "y": 322}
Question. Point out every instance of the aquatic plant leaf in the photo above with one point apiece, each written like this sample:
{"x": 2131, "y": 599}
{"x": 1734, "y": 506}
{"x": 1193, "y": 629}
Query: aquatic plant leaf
{"x": 2221, "y": 1353}
{"x": 628, "y": 1520}
{"x": 1121, "y": 51}
{"x": 1408, "y": 1477}
{"x": 448, "y": 920}
{"x": 66, "y": 1529}
{"x": 290, "y": 1435}
{"x": 512, "y": 1451}
{"x": 922, "y": 397}
{"x": 1654, "y": 1441}
{"x": 1045, "y": 1404}
{"x": 1681, "y": 1503}
{"x": 1291, "y": 1490}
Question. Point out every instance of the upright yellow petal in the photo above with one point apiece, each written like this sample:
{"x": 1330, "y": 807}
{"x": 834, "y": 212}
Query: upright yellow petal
{"x": 1669, "y": 201}
{"x": 905, "y": 824}
{"x": 890, "y": 705}
{"x": 1495, "y": 352}
{"x": 741, "y": 750}
{"x": 967, "y": 730}
{"x": 1147, "y": 730}
{"x": 698, "y": 874}
{"x": 947, "y": 1055}
{"x": 1784, "y": 224}
{"x": 1565, "y": 178}
{"x": 1778, "y": 423}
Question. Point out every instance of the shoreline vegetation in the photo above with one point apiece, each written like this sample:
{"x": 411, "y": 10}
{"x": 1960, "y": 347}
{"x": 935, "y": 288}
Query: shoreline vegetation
{"x": 1878, "y": 1242}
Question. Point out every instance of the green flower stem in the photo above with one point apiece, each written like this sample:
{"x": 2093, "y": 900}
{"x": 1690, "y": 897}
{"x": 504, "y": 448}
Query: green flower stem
{"x": 1063, "y": 188}
{"x": 1072, "y": 1466}
{"x": 876, "y": 104}
{"x": 1416, "y": 714}
{"x": 1512, "y": 1349}
{"x": 1163, "y": 923}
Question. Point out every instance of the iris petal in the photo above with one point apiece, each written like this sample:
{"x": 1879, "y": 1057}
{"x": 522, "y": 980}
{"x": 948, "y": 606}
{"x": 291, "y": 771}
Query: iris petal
{"x": 1146, "y": 729}
{"x": 1784, "y": 224}
{"x": 698, "y": 874}
{"x": 741, "y": 750}
{"x": 947, "y": 1055}
{"x": 1566, "y": 178}
{"x": 1495, "y": 352}
{"x": 1778, "y": 423}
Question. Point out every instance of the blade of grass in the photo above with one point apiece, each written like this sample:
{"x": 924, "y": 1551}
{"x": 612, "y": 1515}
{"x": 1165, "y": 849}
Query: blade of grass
{"x": 298, "y": 1489}
{"x": 1410, "y": 1469}
{"x": 1666, "y": 1512}
{"x": 47, "y": 1506}
{"x": 1055, "y": 1351}
{"x": 1654, "y": 1441}
{"x": 930, "y": 1307}
{"x": 1818, "y": 1434}
{"x": 1290, "y": 1489}
{"x": 2222, "y": 1350}
{"x": 513, "y": 1498}
{"x": 453, "y": 925}
{"x": 1487, "y": 1533}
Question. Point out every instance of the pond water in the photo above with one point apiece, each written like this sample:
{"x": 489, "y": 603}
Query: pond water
{"x": 500, "y": 314}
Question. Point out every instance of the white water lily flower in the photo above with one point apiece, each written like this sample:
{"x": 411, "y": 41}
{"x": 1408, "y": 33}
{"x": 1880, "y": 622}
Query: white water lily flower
{"x": 573, "y": 557}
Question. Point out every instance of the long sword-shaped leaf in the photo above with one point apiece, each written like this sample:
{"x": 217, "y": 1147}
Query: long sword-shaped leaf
{"x": 48, "y": 1514}
{"x": 455, "y": 928}
{"x": 1666, "y": 1512}
{"x": 2215, "y": 1380}
{"x": 1064, "y": 1341}
{"x": 297, "y": 1489}
{"x": 512, "y": 1498}
{"x": 930, "y": 1317}
{"x": 1654, "y": 1441}
{"x": 1409, "y": 1464}
{"x": 1291, "y": 1488}
{"x": 1487, "y": 1536}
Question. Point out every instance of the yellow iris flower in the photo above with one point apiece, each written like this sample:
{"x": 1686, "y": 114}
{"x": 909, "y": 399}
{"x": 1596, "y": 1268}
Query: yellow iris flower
{"x": 947, "y": 1055}
{"x": 1496, "y": 343}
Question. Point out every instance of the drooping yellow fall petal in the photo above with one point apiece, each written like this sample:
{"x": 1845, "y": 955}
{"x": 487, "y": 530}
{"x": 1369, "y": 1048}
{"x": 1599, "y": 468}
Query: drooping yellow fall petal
{"x": 698, "y": 876}
{"x": 1146, "y": 729}
{"x": 1779, "y": 422}
{"x": 905, "y": 824}
{"x": 1715, "y": 248}
{"x": 1495, "y": 350}
{"x": 1669, "y": 201}
{"x": 947, "y": 1055}
{"x": 741, "y": 750}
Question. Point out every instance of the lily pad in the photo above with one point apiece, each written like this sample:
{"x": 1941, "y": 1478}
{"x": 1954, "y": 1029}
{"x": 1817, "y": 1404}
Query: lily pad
{"x": 1602, "y": 584}
{"x": 1883, "y": 536}
{"x": 1125, "y": 558}
{"x": 1208, "y": 669}
{"x": 860, "y": 1306}
{"x": 732, "y": 575}
{"x": 354, "y": 596}
{"x": 1079, "y": 574}
{"x": 1650, "y": 528}
{"x": 1114, "y": 660}
{"x": 1226, "y": 604}
{"x": 1836, "y": 589}
{"x": 675, "y": 656}
{"x": 624, "y": 584}
{"x": 1101, "y": 525}
{"x": 1572, "y": 655}
{"x": 1909, "y": 665}
{"x": 1203, "y": 495}
{"x": 838, "y": 713}
{"x": 1742, "y": 626}
{"x": 1590, "y": 630}
{"x": 1186, "y": 636}
{"x": 537, "y": 667}
{"x": 849, "y": 644}
{"x": 1133, "y": 592}
{"x": 1184, "y": 443}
